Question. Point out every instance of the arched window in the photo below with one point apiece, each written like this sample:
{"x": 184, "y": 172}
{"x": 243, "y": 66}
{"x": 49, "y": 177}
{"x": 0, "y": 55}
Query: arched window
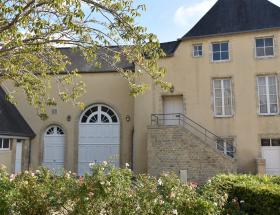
{"x": 54, "y": 131}
{"x": 99, "y": 114}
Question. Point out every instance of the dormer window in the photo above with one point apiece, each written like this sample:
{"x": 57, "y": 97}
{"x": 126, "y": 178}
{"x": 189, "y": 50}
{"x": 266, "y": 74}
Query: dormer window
{"x": 220, "y": 51}
{"x": 264, "y": 47}
{"x": 197, "y": 50}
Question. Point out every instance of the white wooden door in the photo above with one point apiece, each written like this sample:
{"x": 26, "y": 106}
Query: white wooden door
{"x": 53, "y": 157}
{"x": 99, "y": 138}
{"x": 171, "y": 106}
{"x": 271, "y": 154}
{"x": 18, "y": 157}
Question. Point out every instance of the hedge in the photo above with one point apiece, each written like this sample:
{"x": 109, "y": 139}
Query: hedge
{"x": 108, "y": 191}
{"x": 246, "y": 194}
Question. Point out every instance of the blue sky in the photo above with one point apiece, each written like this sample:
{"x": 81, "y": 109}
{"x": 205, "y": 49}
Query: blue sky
{"x": 171, "y": 19}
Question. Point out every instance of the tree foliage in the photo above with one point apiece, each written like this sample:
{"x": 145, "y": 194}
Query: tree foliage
{"x": 32, "y": 30}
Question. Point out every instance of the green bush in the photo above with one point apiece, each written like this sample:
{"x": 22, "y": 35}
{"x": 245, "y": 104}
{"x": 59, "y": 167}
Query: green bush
{"x": 245, "y": 194}
{"x": 107, "y": 191}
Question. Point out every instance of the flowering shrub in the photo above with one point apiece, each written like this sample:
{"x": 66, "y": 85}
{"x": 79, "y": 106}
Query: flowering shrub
{"x": 108, "y": 191}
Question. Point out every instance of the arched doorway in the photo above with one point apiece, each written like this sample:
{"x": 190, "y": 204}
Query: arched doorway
{"x": 99, "y": 137}
{"x": 53, "y": 155}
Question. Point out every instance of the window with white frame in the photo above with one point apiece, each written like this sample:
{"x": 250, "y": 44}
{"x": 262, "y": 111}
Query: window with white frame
{"x": 268, "y": 95}
{"x": 4, "y": 144}
{"x": 197, "y": 50}
{"x": 226, "y": 146}
{"x": 265, "y": 47}
{"x": 222, "y": 97}
{"x": 220, "y": 51}
{"x": 270, "y": 142}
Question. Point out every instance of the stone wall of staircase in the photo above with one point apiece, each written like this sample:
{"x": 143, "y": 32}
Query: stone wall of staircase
{"x": 174, "y": 148}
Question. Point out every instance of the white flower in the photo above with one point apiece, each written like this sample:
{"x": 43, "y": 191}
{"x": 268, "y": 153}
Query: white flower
{"x": 160, "y": 182}
{"x": 105, "y": 163}
{"x": 91, "y": 165}
{"x": 242, "y": 201}
{"x": 175, "y": 212}
{"x": 126, "y": 165}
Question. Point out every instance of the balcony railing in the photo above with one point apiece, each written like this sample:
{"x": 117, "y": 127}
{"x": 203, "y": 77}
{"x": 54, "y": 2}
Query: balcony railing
{"x": 178, "y": 119}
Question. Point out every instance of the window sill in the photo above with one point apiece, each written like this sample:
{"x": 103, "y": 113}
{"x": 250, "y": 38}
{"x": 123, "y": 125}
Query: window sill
{"x": 265, "y": 57}
{"x": 220, "y": 61}
{"x": 223, "y": 117}
{"x": 268, "y": 115}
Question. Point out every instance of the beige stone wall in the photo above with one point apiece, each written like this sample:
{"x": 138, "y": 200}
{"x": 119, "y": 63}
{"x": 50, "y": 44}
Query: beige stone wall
{"x": 173, "y": 148}
{"x": 105, "y": 88}
{"x": 192, "y": 78}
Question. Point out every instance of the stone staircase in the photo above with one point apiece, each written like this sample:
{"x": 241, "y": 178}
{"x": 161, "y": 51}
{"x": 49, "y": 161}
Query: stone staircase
{"x": 178, "y": 144}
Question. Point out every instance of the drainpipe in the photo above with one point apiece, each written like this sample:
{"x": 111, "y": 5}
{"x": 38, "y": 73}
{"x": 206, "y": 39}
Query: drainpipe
{"x": 29, "y": 154}
{"x": 132, "y": 149}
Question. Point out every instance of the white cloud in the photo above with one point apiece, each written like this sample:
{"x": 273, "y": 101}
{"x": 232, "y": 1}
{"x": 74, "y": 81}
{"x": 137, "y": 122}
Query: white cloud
{"x": 186, "y": 16}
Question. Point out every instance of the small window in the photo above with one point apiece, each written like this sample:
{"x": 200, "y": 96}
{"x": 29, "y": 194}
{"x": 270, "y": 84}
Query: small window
{"x": 5, "y": 144}
{"x": 220, "y": 51}
{"x": 226, "y": 146}
{"x": 268, "y": 95}
{"x": 222, "y": 97}
{"x": 265, "y": 47}
{"x": 197, "y": 50}
{"x": 270, "y": 142}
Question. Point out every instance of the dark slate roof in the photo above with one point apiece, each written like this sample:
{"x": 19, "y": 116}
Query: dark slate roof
{"x": 79, "y": 62}
{"x": 232, "y": 16}
{"x": 169, "y": 47}
{"x": 11, "y": 121}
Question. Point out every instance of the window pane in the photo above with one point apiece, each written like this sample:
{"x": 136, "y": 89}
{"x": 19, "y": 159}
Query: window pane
{"x": 219, "y": 111}
{"x": 259, "y": 42}
{"x": 265, "y": 142}
{"x": 263, "y": 100}
{"x": 262, "y": 90}
{"x": 273, "y": 99}
{"x": 220, "y": 145}
{"x": 272, "y": 90}
{"x": 216, "y": 56}
{"x": 271, "y": 80}
{"x": 275, "y": 142}
{"x": 6, "y": 144}
{"x": 269, "y": 51}
{"x": 269, "y": 42}
{"x": 224, "y": 47}
{"x": 228, "y": 109}
{"x": 227, "y": 84}
{"x": 263, "y": 108}
{"x": 217, "y": 84}
{"x": 218, "y": 102}
{"x": 261, "y": 81}
{"x": 260, "y": 52}
{"x": 218, "y": 93}
{"x": 224, "y": 56}
{"x": 273, "y": 108}
{"x": 216, "y": 47}
{"x": 1, "y": 143}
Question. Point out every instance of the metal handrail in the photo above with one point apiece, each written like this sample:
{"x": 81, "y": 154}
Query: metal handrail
{"x": 182, "y": 120}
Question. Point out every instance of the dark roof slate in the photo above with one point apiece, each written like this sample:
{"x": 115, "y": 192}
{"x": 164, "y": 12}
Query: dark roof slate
{"x": 79, "y": 62}
{"x": 232, "y": 16}
{"x": 169, "y": 47}
{"x": 11, "y": 121}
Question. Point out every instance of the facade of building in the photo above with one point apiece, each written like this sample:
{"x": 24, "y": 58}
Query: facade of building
{"x": 221, "y": 115}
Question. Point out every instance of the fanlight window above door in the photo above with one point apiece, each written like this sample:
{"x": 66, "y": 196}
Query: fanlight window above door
{"x": 54, "y": 131}
{"x": 99, "y": 114}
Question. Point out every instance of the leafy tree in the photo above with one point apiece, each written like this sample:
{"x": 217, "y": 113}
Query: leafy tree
{"x": 32, "y": 30}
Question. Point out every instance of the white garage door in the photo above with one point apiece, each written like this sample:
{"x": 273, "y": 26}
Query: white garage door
{"x": 53, "y": 157}
{"x": 271, "y": 154}
{"x": 99, "y": 137}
